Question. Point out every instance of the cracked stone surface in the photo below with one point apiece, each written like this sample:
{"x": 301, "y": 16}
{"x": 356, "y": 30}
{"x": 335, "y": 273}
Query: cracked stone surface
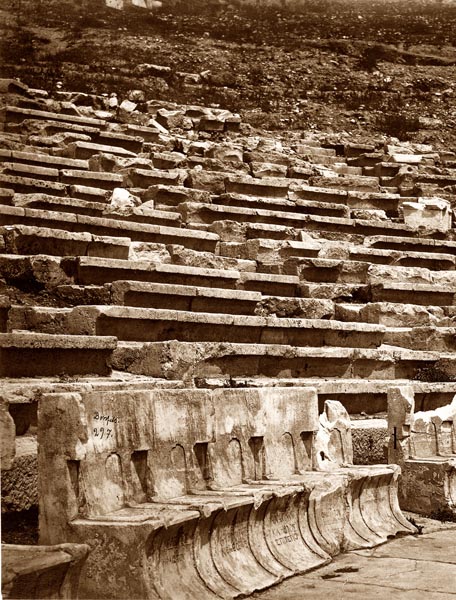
{"x": 422, "y": 566}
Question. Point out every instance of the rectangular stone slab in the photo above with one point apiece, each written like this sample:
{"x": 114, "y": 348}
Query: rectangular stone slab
{"x": 47, "y": 160}
{"x": 138, "y": 324}
{"x": 88, "y": 270}
{"x": 17, "y": 115}
{"x": 199, "y": 240}
{"x": 21, "y": 239}
{"x": 279, "y": 204}
{"x": 212, "y": 359}
{"x": 182, "y": 297}
{"x": 414, "y": 293}
{"x": 414, "y": 244}
{"x": 34, "y": 354}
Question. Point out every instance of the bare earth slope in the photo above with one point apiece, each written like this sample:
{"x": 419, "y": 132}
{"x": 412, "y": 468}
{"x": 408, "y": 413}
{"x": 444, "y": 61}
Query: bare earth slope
{"x": 381, "y": 66}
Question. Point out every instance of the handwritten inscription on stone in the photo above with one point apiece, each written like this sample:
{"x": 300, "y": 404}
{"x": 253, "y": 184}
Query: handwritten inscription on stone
{"x": 105, "y": 418}
{"x": 102, "y": 433}
{"x": 103, "y": 425}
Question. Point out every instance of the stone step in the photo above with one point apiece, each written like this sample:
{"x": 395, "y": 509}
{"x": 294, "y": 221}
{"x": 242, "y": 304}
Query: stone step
{"x": 88, "y": 193}
{"x": 37, "y": 355}
{"x": 105, "y": 181}
{"x": 39, "y": 128}
{"x": 362, "y": 227}
{"x": 393, "y": 314}
{"x": 323, "y": 270}
{"x": 414, "y": 244}
{"x": 154, "y": 325}
{"x": 42, "y": 160}
{"x": 144, "y": 178}
{"x": 166, "y": 196}
{"x": 367, "y": 396}
{"x": 83, "y": 150}
{"x": 5, "y": 305}
{"x": 95, "y": 209}
{"x": 199, "y": 240}
{"x": 93, "y": 271}
{"x": 21, "y": 239}
{"x": 414, "y": 293}
{"x": 338, "y": 292}
{"x": 31, "y": 185}
{"x": 299, "y": 191}
{"x": 314, "y": 150}
{"x": 212, "y": 359}
{"x": 118, "y": 139}
{"x": 16, "y": 114}
{"x": 352, "y": 183}
{"x": 434, "y": 262}
{"x": 439, "y": 180}
{"x": 6, "y": 196}
{"x": 389, "y": 203}
{"x": 280, "y": 204}
{"x": 184, "y": 297}
{"x": 269, "y": 284}
{"x": 271, "y": 187}
{"x": 33, "y": 171}
{"x": 331, "y": 228}
{"x": 193, "y": 212}
{"x": 148, "y": 134}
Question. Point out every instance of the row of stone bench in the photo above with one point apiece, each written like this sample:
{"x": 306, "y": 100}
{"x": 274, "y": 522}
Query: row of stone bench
{"x": 25, "y": 354}
{"x": 205, "y": 494}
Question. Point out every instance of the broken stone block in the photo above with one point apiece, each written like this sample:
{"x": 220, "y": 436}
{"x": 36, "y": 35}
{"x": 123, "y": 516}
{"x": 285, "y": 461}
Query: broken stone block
{"x": 20, "y": 482}
{"x": 42, "y": 571}
{"x": 8, "y": 435}
{"x": 121, "y": 202}
{"x": 431, "y": 214}
{"x": 424, "y": 445}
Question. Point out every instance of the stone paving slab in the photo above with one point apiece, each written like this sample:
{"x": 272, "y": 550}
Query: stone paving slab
{"x": 407, "y": 568}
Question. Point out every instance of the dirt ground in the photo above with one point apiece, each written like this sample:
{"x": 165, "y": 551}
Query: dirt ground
{"x": 365, "y": 67}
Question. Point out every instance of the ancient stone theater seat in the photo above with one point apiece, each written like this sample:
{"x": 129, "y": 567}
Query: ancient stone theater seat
{"x": 424, "y": 444}
{"x": 195, "y": 493}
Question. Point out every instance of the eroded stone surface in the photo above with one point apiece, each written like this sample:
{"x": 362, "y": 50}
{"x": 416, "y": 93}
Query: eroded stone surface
{"x": 162, "y": 477}
{"x": 423, "y": 444}
{"x": 42, "y": 571}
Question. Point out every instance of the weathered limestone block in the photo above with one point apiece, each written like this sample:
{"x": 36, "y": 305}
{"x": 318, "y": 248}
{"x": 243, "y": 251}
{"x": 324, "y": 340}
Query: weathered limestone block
{"x": 265, "y": 169}
{"x": 432, "y": 214}
{"x": 34, "y": 354}
{"x": 424, "y": 445}
{"x": 184, "y": 297}
{"x": 22, "y": 239}
{"x": 209, "y": 181}
{"x": 20, "y": 483}
{"x": 370, "y": 441}
{"x": 32, "y": 272}
{"x": 308, "y": 308}
{"x": 207, "y": 260}
{"x": 141, "y": 324}
{"x": 42, "y": 571}
{"x": 173, "y": 195}
{"x": 440, "y": 339}
{"x": 7, "y": 437}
